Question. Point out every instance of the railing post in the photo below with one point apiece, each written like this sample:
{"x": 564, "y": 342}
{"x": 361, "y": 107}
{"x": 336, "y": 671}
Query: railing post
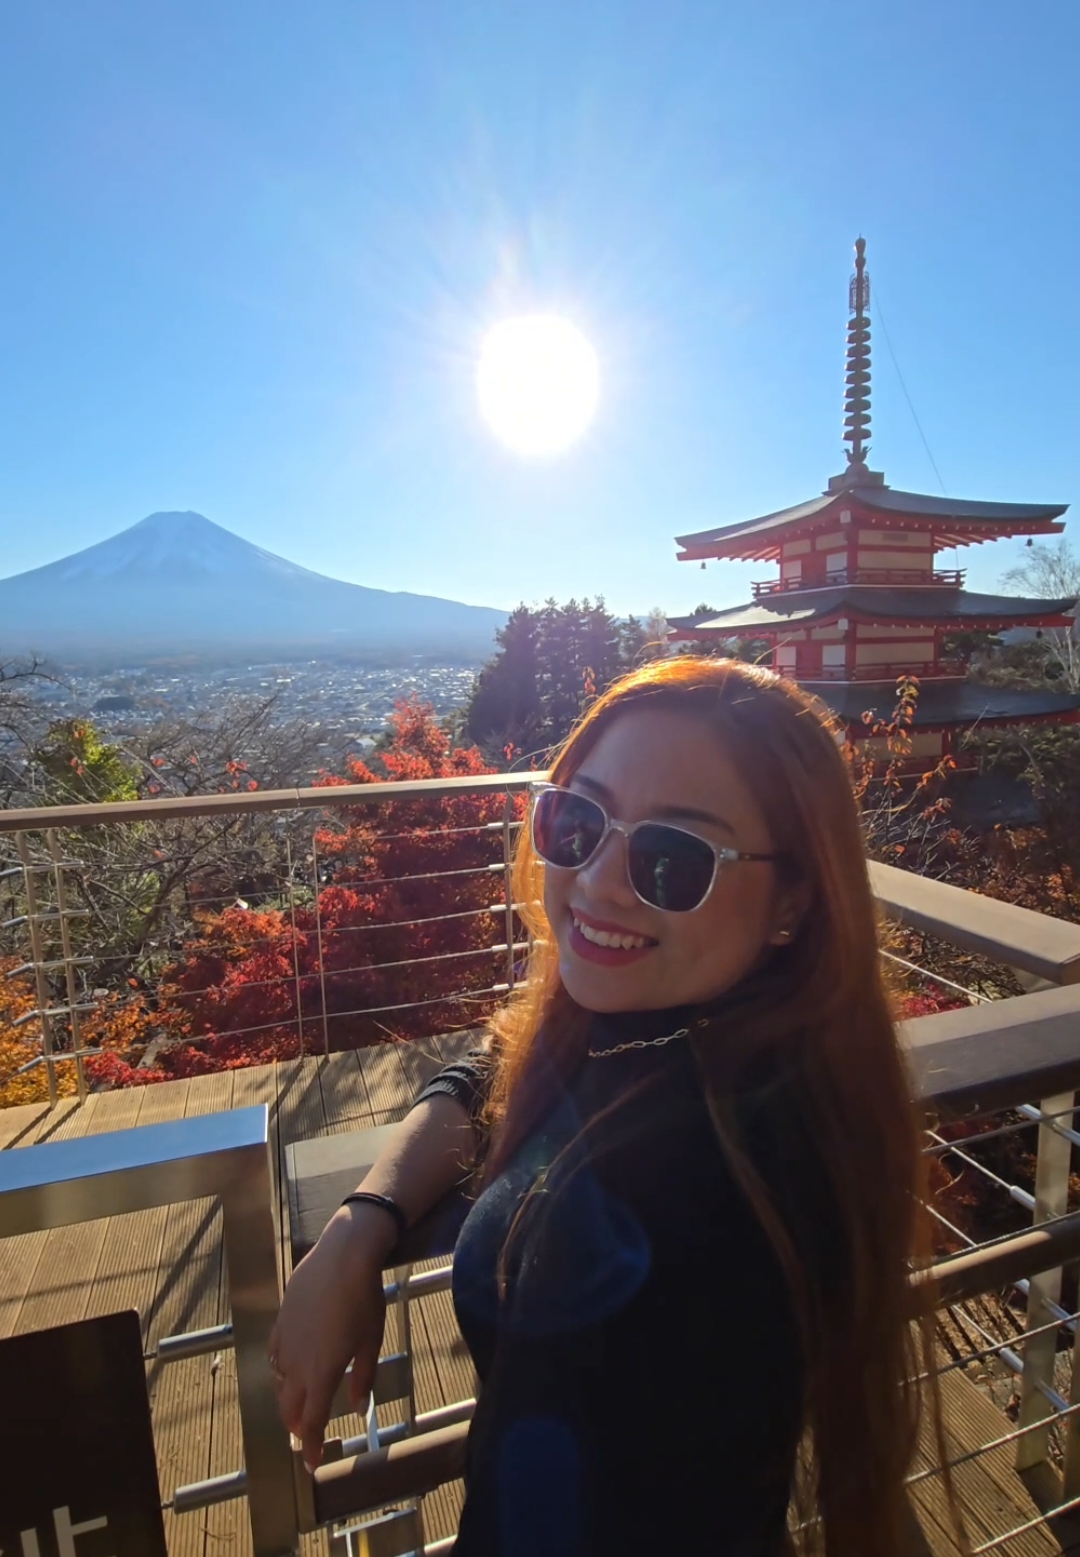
{"x": 1051, "y": 1200}
{"x": 508, "y": 887}
{"x": 37, "y": 954}
{"x": 1071, "y": 1467}
{"x": 319, "y": 941}
{"x": 226, "y": 1156}
{"x": 289, "y": 865}
{"x": 251, "y": 1266}
{"x": 62, "y": 909}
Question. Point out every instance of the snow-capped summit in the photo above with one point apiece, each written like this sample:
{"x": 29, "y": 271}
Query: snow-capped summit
{"x": 165, "y": 541}
{"x": 179, "y": 583}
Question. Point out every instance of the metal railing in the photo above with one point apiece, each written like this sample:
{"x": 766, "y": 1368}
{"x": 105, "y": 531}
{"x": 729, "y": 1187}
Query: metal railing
{"x": 942, "y": 578}
{"x": 127, "y": 935}
{"x": 284, "y": 923}
{"x": 1007, "y": 1069}
{"x": 928, "y": 671}
{"x": 979, "y": 1068}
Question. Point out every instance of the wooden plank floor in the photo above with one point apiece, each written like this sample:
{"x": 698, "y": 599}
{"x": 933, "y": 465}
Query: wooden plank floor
{"x": 992, "y": 1496}
{"x": 169, "y": 1265}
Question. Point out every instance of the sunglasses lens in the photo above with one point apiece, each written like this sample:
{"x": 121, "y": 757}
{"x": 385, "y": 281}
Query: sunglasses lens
{"x": 566, "y": 828}
{"x": 670, "y": 869}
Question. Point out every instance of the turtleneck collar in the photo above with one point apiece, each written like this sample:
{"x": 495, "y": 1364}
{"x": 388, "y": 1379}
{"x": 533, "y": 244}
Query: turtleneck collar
{"x": 618, "y": 1026}
{"x": 621, "y": 1025}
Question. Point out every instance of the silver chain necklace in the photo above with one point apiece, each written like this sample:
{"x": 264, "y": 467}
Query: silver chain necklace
{"x": 645, "y": 1043}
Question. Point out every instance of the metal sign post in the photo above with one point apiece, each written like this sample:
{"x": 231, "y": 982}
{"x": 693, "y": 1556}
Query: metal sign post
{"x": 221, "y": 1155}
{"x": 80, "y": 1476}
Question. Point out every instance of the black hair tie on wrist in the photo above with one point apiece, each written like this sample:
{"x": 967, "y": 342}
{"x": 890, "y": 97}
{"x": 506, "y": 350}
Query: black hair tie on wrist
{"x": 368, "y": 1197}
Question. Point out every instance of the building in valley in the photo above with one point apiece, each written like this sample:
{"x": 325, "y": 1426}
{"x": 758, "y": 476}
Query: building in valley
{"x": 859, "y": 600}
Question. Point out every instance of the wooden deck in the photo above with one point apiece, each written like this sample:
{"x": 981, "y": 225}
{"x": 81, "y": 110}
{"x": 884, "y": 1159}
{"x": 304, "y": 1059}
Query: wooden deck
{"x": 168, "y": 1264}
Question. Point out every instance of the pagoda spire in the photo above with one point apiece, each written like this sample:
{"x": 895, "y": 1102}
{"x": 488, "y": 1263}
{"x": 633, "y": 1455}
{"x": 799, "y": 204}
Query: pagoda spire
{"x": 857, "y": 392}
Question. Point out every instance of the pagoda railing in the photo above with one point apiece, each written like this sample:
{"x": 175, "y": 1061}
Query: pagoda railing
{"x": 939, "y": 578}
{"x": 939, "y": 669}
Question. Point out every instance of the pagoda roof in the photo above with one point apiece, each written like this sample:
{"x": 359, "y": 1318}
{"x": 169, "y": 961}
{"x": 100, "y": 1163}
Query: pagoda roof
{"x": 944, "y": 702}
{"x": 955, "y": 521}
{"x": 879, "y": 605}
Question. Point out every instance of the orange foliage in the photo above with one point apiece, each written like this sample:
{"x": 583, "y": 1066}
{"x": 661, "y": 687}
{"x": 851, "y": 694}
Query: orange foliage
{"x": 377, "y": 957}
{"x": 123, "y": 1028}
{"x": 20, "y": 1045}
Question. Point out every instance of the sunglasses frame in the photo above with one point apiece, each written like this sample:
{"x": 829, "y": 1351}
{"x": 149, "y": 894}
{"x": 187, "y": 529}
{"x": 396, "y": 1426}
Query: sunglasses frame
{"x": 723, "y": 854}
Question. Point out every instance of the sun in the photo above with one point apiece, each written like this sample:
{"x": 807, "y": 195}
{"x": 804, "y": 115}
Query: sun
{"x": 538, "y": 383}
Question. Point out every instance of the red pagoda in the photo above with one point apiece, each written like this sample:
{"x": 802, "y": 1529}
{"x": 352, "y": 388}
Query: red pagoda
{"x": 859, "y": 601}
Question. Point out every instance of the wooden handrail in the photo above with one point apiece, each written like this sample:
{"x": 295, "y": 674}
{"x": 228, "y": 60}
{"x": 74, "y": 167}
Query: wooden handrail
{"x": 319, "y": 797}
{"x": 1046, "y": 948}
{"x": 403, "y": 1470}
{"x": 1001, "y": 1264}
{"x": 981, "y": 1059}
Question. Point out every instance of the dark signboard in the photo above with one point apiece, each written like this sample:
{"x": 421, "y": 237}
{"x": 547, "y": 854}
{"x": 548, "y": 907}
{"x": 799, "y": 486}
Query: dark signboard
{"x": 78, "y": 1476}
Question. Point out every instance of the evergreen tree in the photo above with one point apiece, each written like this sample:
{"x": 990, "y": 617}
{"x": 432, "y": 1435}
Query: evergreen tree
{"x": 633, "y": 641}
{"x": 504, "y": 709}
{"x": 551, "y": 663}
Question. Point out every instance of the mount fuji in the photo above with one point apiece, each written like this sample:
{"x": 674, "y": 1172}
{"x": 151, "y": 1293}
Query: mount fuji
{"x": 176, "y": 583}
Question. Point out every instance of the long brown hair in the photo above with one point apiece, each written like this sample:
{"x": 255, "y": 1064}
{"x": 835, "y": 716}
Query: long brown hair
{"x": 822, "y": 1018}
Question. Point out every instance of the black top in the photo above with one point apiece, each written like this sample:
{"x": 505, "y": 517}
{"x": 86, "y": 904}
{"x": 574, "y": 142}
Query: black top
{"x": 641, "y": 1380}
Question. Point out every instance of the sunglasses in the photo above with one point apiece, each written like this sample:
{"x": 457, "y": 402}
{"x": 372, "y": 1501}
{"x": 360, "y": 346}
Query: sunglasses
{"x": 669, "y": 868}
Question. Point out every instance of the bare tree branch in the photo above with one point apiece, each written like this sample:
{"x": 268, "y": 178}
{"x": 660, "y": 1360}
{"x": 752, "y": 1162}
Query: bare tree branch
{"x": 1053, "y": 573}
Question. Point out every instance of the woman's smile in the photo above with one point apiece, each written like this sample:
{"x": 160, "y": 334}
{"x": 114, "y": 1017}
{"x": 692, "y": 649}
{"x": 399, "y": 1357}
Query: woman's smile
{"x": 602, "y": 941}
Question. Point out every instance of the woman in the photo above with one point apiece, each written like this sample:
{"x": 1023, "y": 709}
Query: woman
{"x": 686, "y": 1265}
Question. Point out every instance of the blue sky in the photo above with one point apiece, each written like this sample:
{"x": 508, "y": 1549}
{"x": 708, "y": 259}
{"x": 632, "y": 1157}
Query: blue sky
{"x": 250, "y": 251}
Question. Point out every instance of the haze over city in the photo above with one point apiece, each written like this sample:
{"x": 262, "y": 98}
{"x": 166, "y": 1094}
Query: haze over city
{"x": 254, "y": 254}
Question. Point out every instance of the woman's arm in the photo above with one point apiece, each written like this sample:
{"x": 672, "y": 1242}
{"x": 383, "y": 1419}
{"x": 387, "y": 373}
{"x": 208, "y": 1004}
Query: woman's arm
{"x": 333, "y": 1310}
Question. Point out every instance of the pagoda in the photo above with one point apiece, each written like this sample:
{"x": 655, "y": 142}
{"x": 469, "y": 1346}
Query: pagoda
{"x": 859, "y": 601}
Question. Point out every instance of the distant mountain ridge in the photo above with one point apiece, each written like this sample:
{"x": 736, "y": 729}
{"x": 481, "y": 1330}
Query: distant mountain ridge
{"x": 177, "y": 583}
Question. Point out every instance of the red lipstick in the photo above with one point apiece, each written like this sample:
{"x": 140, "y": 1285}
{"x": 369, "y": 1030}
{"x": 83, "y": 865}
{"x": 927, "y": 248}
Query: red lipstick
{"x": 605, "y": 956}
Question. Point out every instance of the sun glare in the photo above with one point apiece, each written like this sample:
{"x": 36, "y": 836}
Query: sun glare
{"x": 538, "y": 383}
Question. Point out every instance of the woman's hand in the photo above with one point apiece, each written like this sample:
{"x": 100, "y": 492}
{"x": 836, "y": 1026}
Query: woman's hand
{"x": 333, "y": 1313}
{"x": 334, "y": 1310}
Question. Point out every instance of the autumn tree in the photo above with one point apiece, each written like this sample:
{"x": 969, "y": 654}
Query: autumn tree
{"x": 1038, "y": 865}
{"x": 78, "y": 766}
{"x": 407, "y": 934}
{"x": 21, "y": 1079}
{"x": 242, "y": 743}
{"x": 22, "y": 719}
{"x": 139, "y": 889}
{"x": 140, "y": 884}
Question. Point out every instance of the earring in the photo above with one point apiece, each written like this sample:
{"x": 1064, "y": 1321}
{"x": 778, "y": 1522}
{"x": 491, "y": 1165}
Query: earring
{"x": 783, "y": 935}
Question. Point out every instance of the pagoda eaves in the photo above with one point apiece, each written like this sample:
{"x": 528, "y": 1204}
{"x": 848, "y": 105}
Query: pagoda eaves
{"x": 945, "y": 704}
{"x": 956, "y": 610}
{"x": 950, "y": 522}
